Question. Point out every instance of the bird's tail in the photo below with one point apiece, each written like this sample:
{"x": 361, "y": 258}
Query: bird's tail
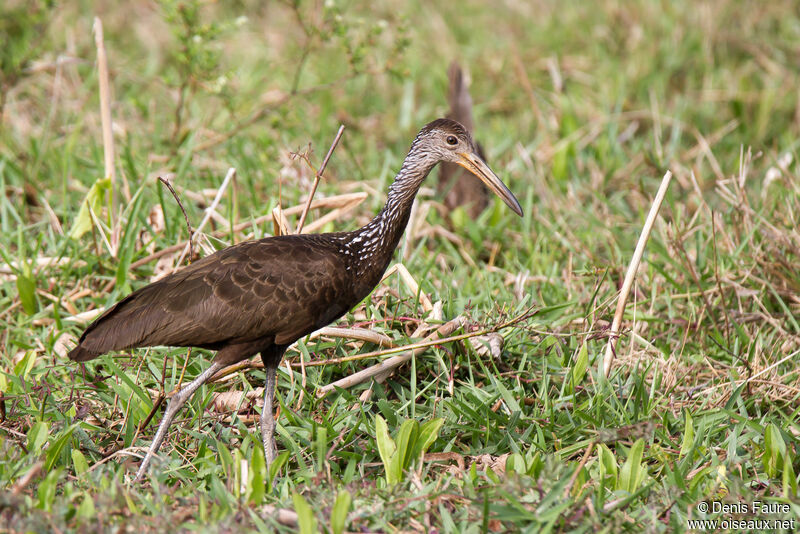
{"x": 80, "y": 354}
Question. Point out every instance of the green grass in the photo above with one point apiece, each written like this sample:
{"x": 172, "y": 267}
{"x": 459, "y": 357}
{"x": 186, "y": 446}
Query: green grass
{"x": 581, "y": 107}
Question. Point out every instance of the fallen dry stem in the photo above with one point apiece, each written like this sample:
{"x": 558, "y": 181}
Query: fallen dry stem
{"x": 631, "y": 274}
{"x": 391, "y": 363}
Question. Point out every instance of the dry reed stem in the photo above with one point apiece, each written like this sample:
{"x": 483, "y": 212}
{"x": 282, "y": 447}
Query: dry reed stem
{"x": 317, "y": 178}
{"x": 631, "y": 274}
{"x": 105, "y": 112}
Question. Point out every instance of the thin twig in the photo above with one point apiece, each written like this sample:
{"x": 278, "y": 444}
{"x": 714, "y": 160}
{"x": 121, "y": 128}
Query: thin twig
{"x": 185, "y": 217}
{"x": 631, "y": 274}
{"x": 318, "y": 177}
{"x": 212, "y": 207}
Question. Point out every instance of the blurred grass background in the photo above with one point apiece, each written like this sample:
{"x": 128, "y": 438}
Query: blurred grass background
{"x": 581, "y": 107}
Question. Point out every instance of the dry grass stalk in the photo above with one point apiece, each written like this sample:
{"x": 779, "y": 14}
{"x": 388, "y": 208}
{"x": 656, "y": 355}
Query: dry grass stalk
{"x": 631, "y": 274}
{"x": 755, "y": 376}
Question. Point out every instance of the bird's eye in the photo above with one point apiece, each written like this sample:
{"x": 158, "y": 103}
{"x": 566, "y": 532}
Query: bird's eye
{"x": 451, "y": 140}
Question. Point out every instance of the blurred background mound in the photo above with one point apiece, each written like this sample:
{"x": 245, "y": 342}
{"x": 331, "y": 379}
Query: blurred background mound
{"x": 458, "y": 186}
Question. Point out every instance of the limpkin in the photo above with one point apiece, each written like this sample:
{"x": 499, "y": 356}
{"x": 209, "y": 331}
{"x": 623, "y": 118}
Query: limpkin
{"x": 259, "y": 297}
{"x": 459, "y": 187}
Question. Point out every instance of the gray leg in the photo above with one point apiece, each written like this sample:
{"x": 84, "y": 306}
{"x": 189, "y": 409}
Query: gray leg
{"x": 175, "y": 404}
{"x": 267, "y": 417}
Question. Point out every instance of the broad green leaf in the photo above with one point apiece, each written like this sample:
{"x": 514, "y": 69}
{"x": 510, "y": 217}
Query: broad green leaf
{"x": 608, "y": 470}
{"x": 789, "y": 480}
{"x": 580, "y": 365}
{"x": 428, "y": 433}
{"x": 258, "y": 475}
{"x": 277, "y": 465}
{"x": 321, "y": 442}
{"x": 509, "y": 399}
{"x": 55, "y": 448}
{"x": 26, "y": 287}
{"x": 340, "y": 510}
{"x": 403, "y": 442}
{"x": 79, "y": 462}
{"x": 632, "y": 473}
{"x": 386, "y": 447}
{"x": 305, "y": 515}
{"x": 560, "y": 161}
{"x": 25, "y": 365}
{"x": 47, "y": 489}
{"x": 688, "y": 434}
{"x": 774, "y": 450}
{"x": 86, "y": 510}
{"x": 37, "y": 436}
{"x": 94, "y": 200}
{"x": 515, "y": 463}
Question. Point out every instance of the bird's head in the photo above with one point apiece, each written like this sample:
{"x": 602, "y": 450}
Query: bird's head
{"x": 447, "y": 140}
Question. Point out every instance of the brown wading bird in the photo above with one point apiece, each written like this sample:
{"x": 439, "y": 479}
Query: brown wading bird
{"x": 262, "y": 296}
{"x": 458, "y": 187}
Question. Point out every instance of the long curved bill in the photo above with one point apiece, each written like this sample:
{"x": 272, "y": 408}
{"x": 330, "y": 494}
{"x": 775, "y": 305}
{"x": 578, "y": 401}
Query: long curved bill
{"x": 479, "y": 168}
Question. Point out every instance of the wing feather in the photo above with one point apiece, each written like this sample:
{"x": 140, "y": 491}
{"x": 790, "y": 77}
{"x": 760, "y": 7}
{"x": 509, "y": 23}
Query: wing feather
{"x": 276, "y": 287}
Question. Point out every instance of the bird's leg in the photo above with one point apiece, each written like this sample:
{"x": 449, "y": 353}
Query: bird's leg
{"x": 267, "y": 417}
{"x": 175, "y": 403}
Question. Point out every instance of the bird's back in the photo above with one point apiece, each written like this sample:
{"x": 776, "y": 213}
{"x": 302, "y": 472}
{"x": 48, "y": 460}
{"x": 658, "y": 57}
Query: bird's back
{"x": 273, "y": 290}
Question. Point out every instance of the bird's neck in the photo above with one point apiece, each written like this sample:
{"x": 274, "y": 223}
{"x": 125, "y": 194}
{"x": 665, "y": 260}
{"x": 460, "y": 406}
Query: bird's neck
{"x": 377, "y": 240}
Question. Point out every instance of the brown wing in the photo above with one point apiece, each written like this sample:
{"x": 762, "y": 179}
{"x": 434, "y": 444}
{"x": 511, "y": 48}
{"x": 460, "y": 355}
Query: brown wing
{"x": 277, "y": 287}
